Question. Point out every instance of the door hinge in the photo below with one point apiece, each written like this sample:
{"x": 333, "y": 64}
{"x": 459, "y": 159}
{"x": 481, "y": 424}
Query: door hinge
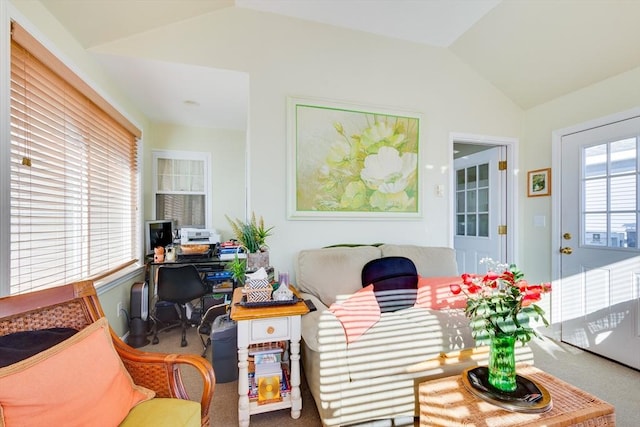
{"x": 502, "y": 165}
{"x": 502, "y": 230}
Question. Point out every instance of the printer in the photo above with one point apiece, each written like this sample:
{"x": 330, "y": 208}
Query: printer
{"x": 198, "y": 236}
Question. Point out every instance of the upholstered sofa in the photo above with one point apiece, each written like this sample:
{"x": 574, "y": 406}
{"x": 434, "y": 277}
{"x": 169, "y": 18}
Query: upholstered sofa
{"x": 372, "y": 375}
{"x": 85, "y": 375}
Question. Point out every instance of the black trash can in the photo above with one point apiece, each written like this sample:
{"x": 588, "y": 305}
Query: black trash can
{"x": 224, "y": 349}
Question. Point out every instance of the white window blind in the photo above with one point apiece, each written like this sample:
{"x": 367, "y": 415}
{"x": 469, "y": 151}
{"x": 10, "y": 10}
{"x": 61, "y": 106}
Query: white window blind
{"x": 74, "y": 181}
{"x": 181, "y": 187}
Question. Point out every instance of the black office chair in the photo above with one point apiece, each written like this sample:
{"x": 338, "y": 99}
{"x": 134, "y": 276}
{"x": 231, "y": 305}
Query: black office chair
{"x": 395, "y": 282}
{"x": 180, "y": 285}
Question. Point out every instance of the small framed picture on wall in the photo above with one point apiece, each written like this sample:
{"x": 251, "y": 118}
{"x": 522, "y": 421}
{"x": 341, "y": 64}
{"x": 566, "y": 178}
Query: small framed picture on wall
{"x": 539, "y": 182}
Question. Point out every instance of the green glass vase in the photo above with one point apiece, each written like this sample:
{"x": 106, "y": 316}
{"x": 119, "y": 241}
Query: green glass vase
{"x": 502, "y": 363}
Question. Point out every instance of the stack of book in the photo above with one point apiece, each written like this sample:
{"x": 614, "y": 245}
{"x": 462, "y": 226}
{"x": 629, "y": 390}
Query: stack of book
{"x": 268, "y": 375}
{"x": 229, "y": 250}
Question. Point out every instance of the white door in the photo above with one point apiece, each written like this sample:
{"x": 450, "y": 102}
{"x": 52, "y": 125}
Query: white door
{"x": 600, "y": 261}
{"x": 479, "y": 186}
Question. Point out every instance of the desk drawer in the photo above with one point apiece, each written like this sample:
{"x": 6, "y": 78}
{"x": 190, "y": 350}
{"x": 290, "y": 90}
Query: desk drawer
{"x": 273, "y": 329}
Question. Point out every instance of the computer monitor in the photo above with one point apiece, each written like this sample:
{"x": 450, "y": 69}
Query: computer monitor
{"x": 158, "y": 233}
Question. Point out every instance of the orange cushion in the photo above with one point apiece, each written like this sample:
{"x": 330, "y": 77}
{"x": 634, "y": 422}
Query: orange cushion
{"x": 79, "y": 382}
{"x": 435, "y": 293}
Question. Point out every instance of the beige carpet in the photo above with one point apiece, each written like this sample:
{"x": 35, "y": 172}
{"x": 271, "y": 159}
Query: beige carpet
{"x": 608, "y": 380}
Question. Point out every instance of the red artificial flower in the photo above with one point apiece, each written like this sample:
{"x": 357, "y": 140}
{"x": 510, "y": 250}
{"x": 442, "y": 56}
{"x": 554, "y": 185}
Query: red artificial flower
{"x": 530, "y": 296}
{"x": 491, "y": 279}
{"x": 523, "y": 285}
{"x": 492, "y": 275}
{"x": 495, "y": 292}
{"x": 474, "y": 289}
{"x": 507, "y": 276}
{"x": 467, "y": 278}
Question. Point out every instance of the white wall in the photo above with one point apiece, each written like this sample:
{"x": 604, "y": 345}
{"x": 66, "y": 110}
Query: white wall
{"x": 227, "y": 150}
{"x": 287, "y": 57}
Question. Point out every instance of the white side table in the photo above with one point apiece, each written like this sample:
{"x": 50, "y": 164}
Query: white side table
{"x": 261, "y": 325}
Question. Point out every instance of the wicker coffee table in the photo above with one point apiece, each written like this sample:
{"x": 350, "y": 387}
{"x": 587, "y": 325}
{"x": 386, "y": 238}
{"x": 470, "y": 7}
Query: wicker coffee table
{"x": 446, "y": 402}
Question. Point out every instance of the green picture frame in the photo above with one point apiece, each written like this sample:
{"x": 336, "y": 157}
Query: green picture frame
{"x": 349, "y": 161}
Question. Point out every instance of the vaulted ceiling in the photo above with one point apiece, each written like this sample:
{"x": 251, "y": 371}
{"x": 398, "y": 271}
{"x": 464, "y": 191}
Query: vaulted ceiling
{"x": 531, "y": 50}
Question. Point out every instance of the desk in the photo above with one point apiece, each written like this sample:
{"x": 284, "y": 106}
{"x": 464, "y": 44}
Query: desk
{"x": 446, "y": 402}
{"x": 209, "y": 268}
{"x": 212, "y": 270}
{"x": 261, "y": 325}
{"x": 204, "y": 265}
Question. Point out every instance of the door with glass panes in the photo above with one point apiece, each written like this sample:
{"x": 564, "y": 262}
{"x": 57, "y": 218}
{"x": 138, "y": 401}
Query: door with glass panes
{"x": 478, "y": 211}
{"x": 600, "y": 258}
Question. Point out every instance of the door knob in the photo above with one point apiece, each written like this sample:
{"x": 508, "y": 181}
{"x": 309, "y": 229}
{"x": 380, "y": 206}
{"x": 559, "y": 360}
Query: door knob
{"x": 567, "y": 250}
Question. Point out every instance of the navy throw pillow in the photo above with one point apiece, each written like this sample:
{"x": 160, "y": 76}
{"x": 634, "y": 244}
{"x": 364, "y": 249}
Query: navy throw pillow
{"x": 395, "y": 282}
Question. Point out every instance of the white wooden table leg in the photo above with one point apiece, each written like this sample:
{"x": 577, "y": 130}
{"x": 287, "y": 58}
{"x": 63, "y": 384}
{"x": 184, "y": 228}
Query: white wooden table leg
{"x": 243, "y": 377}
{"x": 267, "y": 325}
{"x": 294, "y": 356}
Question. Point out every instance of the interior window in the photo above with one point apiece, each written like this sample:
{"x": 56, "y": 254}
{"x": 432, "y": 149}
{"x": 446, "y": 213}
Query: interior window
{"x": 181, "y": 187}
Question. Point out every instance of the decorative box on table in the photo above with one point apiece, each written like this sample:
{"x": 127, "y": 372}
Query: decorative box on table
{"x": 258, "y": 287}
{"x": 258, "y": 290}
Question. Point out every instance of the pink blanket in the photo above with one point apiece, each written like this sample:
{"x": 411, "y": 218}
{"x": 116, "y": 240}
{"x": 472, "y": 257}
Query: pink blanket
{"x": 434, "y": 293}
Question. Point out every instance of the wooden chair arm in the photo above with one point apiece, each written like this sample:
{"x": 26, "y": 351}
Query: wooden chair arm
{"x": 160, "y": 372}
{"x": 76, "y": 305}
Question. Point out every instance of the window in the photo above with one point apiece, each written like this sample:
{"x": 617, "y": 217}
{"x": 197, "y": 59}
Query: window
{"x": 74, "y": 177}
{"x": 609, "y": 183}
{"x": 181, "y": 187}
{"x": 472, "y": 201}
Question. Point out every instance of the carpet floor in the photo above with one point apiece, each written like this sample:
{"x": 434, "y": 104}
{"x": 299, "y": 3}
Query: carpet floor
{"x": 610, "y": 381}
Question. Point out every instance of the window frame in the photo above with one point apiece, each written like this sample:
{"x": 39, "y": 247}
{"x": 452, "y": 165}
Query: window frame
{"x": 608, "y": 211}
{"x": 205, "y": 157}
{"x": 476, "y": 212}
{"x": 5, "y": 146}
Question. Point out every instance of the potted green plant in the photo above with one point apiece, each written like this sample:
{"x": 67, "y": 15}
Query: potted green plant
{"x": 252, "y": 236}
{"x": 238, "y": 268}
{"x": 501, "y": 308}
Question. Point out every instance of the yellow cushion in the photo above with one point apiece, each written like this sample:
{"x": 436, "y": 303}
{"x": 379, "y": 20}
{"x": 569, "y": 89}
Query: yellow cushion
{"x": 79, "y": 382}
{"x": 163, "y": 412}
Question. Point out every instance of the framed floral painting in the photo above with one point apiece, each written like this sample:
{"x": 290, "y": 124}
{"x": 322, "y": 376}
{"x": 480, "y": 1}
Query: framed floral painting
{"x": 539, "y": 182}
{"x": 349, "y": 161}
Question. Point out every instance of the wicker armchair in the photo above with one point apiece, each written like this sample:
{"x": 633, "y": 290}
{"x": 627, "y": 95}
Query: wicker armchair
{"x": 76, "y": 305}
